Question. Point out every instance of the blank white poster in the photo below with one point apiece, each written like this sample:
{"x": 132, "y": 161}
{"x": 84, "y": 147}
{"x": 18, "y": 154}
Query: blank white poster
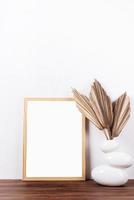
{"x": 54, "y": 140}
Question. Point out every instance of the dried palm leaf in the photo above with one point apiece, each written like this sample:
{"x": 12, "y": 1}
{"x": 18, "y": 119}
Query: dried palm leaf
{"x": 121, "y": 110}
{"x": 85, "y": 107}
{"x": 102, "y": 105}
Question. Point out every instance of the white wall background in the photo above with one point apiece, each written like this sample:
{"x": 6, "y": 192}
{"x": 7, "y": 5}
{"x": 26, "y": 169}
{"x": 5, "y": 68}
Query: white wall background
{"x": 47, "y": 46}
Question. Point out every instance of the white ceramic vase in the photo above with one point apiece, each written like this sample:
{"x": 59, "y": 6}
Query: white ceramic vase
{"x": 113, "y": 173}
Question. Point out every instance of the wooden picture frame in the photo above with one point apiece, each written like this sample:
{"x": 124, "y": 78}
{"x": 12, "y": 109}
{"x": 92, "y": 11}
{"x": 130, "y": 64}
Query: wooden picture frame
{"x": 34, "y": 109}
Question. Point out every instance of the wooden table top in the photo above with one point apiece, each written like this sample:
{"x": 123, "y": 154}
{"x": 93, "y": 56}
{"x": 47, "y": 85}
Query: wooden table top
{"x": 71, "y": 190}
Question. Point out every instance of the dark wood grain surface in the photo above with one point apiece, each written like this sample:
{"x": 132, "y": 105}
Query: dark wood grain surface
{"x": 18, "y": 190}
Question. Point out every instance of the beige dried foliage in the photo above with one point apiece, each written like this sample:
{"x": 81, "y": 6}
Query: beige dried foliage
{"x": 99, "y": 109}
{"x": 121, "y": 110}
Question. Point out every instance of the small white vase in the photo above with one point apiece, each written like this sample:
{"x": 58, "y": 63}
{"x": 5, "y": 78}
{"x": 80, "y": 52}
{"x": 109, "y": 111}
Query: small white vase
{"x": 113, "y": 173}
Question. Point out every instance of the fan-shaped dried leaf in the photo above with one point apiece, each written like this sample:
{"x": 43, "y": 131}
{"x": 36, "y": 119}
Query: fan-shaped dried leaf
{"x": 121, "y": 114}
{"x": 85, "y": 108}
{"x": 102, "y": 105}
